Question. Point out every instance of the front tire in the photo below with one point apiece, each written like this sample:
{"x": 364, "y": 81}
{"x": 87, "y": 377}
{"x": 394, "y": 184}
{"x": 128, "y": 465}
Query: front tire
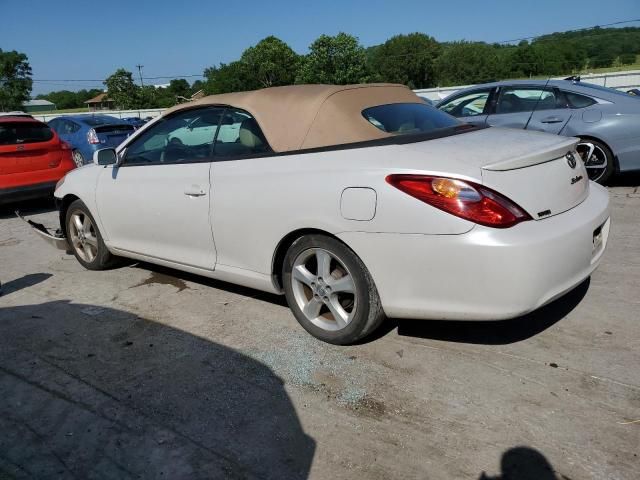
{"x": 597, "y": 158}
{"x": 85, "y": 239}
{"x": 330, "y": 291}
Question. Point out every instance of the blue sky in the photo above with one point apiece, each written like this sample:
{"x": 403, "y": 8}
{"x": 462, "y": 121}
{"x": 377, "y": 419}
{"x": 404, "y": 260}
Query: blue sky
{"x": 89, "y": 40}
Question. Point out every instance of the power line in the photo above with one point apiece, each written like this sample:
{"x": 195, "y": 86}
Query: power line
{"x": 621, "y": 22}
{"x": 103, "y": 79}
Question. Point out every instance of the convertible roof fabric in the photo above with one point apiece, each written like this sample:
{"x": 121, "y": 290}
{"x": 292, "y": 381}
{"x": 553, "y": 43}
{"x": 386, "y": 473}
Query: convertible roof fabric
{"x": 299, "y": 117}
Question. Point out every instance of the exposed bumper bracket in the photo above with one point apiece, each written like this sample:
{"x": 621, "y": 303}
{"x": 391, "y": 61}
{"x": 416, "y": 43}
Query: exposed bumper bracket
{"x": 56, "y": 239}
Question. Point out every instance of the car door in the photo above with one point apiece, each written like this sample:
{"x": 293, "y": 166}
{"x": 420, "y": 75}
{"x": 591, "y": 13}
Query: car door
{"x": 156, "y": 202}
{"x": 471, "y": 107}
{"x": 236, "y": 210}
{"x": 530, "y": 107}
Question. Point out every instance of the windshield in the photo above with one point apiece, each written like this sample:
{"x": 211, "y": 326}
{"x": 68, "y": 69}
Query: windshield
{"x": 408, "y": 118}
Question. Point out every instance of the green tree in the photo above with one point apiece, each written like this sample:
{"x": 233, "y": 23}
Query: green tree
{"x": 463, "y": 63}
{"x": 232, "y": 77}
{"x": 338, "y": 60}
{"x": 62, "y": 99}
{"x": 15, "y": 80}
{"x": 197, "y": 86}
{"x": 627, "y": 58}
{"x": 149, "y": 97}
{"x": 271, "y": 63}
{"x": 177, "y": 90}
{"x": 179, "y": 87}
{"x": 122, "y": 90}
{"x": 67, "y": 99}
{"x": 407, "y": 59}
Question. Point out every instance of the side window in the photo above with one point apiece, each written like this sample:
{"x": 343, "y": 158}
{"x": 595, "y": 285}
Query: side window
{"x": 467, "y": 105}
{"x": 239, "y": 135}
{"x": 73, "y": 127}
{"x": 62, "y": 127}
{"x": 516, "y": 100}
{"x": 578, "y": 101}
{"x": 185, "y": 137}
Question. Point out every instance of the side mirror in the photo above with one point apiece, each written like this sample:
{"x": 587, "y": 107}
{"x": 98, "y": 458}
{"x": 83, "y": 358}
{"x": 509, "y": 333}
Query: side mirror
{"x": 106, "y": 156}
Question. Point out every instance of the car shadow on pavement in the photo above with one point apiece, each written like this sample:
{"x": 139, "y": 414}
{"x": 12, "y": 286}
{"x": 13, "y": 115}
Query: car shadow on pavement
{"x": 500, "y": 332}
{"x": 169, "y": 276}
{"x": 523, "y": 463}
{"x": 27, "y": 207}
{"x": 625, "y": 180}
{"x": 23, "y": 282}
{"x": 93, "y": 392}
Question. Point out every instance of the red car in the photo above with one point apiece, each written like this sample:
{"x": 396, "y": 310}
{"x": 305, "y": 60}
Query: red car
{"x": 32, "y": 159}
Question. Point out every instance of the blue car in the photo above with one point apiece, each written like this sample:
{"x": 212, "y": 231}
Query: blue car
{"x": 88, "y": 133}
{"x": 606, "y": 121}
{"x": 137, "y": 122}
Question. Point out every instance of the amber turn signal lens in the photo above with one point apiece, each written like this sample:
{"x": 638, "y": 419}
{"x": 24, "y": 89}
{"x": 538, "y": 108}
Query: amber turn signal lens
{"x": 445, "y": 187}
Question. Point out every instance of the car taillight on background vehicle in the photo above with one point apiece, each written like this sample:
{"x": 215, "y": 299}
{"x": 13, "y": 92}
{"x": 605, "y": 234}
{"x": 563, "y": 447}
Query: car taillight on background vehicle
{"x": 92, "y": 136}
{"x": 463, "y": 199}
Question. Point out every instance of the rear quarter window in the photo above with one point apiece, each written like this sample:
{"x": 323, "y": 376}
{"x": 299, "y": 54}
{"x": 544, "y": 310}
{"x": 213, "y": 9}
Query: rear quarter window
{"x": 21, "y": 132}
{"x": 576, "y": 100}
{"x": 408, "y": 118}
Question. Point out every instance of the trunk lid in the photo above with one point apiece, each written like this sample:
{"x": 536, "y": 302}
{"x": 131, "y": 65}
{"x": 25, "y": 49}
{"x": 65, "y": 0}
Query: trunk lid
{"x": 545, "y": 181}
{"x": 113, "y": 135}
{"x": 530, "y": 168}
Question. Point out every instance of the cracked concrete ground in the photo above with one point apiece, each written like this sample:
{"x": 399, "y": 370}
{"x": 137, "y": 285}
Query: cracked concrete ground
{"x": 143, "y": 372}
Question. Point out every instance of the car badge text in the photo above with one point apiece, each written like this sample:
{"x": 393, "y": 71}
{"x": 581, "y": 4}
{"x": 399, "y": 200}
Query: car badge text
{"x": 575, "y": 180}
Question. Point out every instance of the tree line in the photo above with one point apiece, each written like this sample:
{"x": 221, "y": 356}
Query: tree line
{"x": 419, "y": 61}
{"x": 416, "y": 60}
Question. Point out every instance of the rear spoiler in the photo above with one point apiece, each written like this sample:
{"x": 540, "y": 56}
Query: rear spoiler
{"x": 536, "y": 157}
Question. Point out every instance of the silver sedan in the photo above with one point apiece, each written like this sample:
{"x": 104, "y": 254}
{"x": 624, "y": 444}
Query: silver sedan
{"x": 607, "y": 121}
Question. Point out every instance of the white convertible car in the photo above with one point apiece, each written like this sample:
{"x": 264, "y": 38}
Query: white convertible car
{"x": 356, "y": 202}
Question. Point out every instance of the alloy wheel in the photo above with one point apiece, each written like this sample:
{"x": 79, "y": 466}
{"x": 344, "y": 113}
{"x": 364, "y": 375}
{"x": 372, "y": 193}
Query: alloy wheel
{"x": 594, "y": 158}
{"x": 78, "y": 159}
{"x": 82, "y": 234}
{"x": 324, "y": 289}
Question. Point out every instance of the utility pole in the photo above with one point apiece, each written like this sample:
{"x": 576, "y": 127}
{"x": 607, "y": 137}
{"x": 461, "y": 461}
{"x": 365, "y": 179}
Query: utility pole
{"x": 140, "y": 73}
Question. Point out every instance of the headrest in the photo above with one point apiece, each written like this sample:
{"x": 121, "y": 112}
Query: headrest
{"x": 250, "y": 134}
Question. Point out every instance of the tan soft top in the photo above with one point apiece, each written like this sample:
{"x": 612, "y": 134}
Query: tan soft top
{"x": 309, "y": 116}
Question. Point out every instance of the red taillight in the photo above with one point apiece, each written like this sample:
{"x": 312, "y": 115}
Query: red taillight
{"x": 92, "y": 136}
{"x": 463, "y": 199}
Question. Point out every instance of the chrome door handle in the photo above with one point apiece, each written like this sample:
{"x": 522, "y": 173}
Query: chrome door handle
{"x": 551, "y": 120}
{"x": 194, "y": 191}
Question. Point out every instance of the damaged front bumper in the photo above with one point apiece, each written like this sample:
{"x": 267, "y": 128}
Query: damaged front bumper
{"x": 57, "y": 239}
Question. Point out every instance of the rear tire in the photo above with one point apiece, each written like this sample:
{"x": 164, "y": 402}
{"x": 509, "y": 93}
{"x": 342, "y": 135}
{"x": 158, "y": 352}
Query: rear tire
{"x": 330, "y": 291}
{"x": 78, "y": 159}
{"x": 85, "y": 240}
{"x": 597, "y": 159}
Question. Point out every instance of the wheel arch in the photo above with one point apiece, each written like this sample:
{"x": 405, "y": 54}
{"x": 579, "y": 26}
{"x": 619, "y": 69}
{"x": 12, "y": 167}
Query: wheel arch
{"x": 281, "y": 251}
{"x": 67, "y": 200}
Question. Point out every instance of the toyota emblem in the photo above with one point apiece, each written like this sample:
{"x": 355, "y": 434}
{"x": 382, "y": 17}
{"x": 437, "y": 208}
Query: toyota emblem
{"x": 571, "y": 160}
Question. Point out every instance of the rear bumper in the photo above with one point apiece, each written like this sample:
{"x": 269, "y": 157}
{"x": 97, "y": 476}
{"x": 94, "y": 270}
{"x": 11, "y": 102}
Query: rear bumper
{"x": 485, "y": 274}
{"x": 26, "y": 192}
{"x": 55, "y": 239}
